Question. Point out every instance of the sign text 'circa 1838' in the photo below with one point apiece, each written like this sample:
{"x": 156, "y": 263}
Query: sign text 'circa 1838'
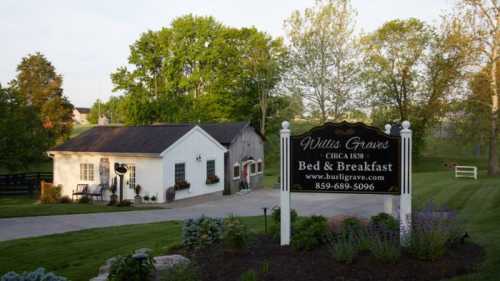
{"x": 345, "y": 158}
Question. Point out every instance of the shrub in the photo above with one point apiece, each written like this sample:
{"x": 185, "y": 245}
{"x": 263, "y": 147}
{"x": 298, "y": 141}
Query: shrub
{"x": 51, "y": 195}
{"x": 343, "y": 248}
{"x": 384, "y": 221}
{"x": 65, "y": 200}
{"x": 112, "y": 200}
{"x": 352, "y": 227}
{"x": 137, "y": 267}
{"x": 235, "y": 235}
{"x": 276, "y": 215}
{"x": 274, "y": 229}
{"x": 146, "y": 198}
{"x": 309, "y": 233}
{"x": 249, "y": 275}
{"x": 384, "y": 246}
{"x": 181, "y": 272}
{"x": 38, "y": 275}
{"x": 124, "y": 203}
{"x": 84, "y": 200}
{"x": 432, "y": 231}
{"x": 153, "y": 198}
{"x": 202, "y": 232}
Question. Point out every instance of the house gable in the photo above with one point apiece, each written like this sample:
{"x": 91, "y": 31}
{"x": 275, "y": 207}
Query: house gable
{"x": 189, "y": 133}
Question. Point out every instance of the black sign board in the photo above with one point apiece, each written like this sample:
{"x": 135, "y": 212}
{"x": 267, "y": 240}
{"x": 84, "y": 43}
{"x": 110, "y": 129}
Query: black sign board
{"x": 345, "y": 158}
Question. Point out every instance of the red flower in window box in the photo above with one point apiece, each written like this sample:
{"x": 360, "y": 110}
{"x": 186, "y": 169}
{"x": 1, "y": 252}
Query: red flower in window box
{"x": 212, "y": 179}
{"x": 182, "y": 184}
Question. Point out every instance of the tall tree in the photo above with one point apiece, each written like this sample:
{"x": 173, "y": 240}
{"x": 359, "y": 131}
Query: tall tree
{"x": 264, "y": 65}
{"x": 199, "y": 70}
{"x": 324, "y": 56}
{"x": 41, "y": 87}
{"x": 481, "y": 19}
{"x": 23, "y": 140}
{"x": 413, "y": 69}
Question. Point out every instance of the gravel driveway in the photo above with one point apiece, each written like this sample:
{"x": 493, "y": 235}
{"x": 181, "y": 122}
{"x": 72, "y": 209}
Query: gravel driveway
{"x": 249, "y": 204}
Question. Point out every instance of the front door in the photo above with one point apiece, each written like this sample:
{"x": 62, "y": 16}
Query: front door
{"x": 246, "y": 174}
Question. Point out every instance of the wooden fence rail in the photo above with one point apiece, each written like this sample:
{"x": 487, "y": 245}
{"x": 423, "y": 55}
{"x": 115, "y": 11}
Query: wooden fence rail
{"x": 23, "y": 183}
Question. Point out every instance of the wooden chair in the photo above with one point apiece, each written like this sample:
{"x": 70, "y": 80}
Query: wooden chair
{"x": 98, "y": 192}
{"x": 81, "y": 189}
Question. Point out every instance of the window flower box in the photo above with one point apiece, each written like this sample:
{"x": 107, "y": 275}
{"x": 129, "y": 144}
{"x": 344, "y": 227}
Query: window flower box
{"x": 212, "y": 179}
{"x": 180, "y": 185}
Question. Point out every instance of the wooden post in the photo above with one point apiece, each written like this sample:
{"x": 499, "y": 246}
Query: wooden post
{"x": 285, "y": 184}
{"x": 406, "y": 186}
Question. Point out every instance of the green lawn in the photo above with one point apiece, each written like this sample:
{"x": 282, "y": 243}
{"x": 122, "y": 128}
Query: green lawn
{"x": 78, "y": 255}
{"x": 20, "y": 206}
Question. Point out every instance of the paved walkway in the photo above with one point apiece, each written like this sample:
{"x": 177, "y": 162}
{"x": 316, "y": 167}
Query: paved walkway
{"x": 242, "y": 205}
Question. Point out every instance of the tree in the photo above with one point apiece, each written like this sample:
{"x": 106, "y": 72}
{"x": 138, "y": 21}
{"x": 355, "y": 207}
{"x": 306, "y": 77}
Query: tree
{"x": 200, "y": 70}
{"x": 24, "y": 140}
{"x": 265, "y": 65}
{"x": 324, "y": 56}
{"x": 40, "y": 86}
{"x": 413, "y": 69}
{"x": 481, "y": 20}
{"x": 113, "y": 109}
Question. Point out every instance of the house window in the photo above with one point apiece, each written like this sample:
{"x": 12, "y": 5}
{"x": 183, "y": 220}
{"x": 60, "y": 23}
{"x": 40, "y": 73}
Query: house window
{"x": 253, "y": 168}
{"x": 259, "y": 167}
{"x": 236, "y": 171}
{"x": 86, "y": 172}
{"x": 210, "y": 168}
{"x": 131, "y": 175}
{"x": 180, "y": 172}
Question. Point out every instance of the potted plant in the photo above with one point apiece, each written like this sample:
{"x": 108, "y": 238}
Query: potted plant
{"x": 146, "y": 198}
{"x": 182, "y": 184}
{"x": 113, "y": 188}
{"x": 212, "y": 179}
{"x": 138, "y": 198}
{"x": 170, "y": 194}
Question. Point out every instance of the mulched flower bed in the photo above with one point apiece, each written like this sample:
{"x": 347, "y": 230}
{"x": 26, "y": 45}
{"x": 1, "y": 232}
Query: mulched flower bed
{"x": 272, "y": 262}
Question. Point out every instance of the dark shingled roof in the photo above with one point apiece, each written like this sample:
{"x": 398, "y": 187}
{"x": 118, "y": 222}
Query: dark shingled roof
{"x": 224, "y": 132}
{"x": 133, "y": 139}
{"x": 83, "y": 109}
{"x": 145, "y": 139}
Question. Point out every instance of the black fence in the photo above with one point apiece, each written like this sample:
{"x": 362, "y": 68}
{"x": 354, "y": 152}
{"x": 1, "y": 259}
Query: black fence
{"x": 23, "y": 183}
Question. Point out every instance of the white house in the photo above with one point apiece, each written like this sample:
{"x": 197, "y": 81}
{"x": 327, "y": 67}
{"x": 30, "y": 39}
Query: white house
{"x": 80, "y": 115}
{"x": 157, "y": 157}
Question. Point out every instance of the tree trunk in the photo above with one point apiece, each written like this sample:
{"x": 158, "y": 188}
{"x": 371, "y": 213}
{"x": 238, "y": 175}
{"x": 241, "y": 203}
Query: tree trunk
{"x": 492, "y": 162}
{"x": 263, "y": 109}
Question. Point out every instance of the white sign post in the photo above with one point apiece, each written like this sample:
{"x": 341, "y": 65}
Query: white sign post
{"x": 285, "y": 184}
{"x": 405, "y": 184}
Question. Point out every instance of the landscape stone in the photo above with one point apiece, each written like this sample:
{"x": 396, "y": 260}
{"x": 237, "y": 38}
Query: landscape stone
{"x": 100, "y": 277}
{"x": 166, "y": 262}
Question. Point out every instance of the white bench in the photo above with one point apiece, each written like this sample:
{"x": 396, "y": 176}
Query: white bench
{"x": 466, "y": 172}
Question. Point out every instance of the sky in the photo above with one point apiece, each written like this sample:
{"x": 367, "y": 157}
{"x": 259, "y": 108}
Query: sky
{"x": 88, "y": 40}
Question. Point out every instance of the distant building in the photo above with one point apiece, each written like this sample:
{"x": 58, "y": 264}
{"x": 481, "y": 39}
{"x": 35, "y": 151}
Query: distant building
{"x": 103, "y": 120}
{"x": 80, "y": 115}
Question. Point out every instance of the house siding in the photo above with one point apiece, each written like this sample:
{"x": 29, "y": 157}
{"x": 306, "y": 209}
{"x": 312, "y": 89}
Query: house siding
{"x": 195, "y": 144}
{"x": 149, "y": 173}
{"x": 247, "y": 144}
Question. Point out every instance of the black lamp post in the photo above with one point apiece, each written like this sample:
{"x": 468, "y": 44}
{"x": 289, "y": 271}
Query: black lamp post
{"x": 121, "y": 170}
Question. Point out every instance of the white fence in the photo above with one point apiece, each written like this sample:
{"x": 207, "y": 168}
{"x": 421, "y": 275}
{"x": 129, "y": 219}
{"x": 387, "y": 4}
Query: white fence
{"x": 466, "y": 172}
